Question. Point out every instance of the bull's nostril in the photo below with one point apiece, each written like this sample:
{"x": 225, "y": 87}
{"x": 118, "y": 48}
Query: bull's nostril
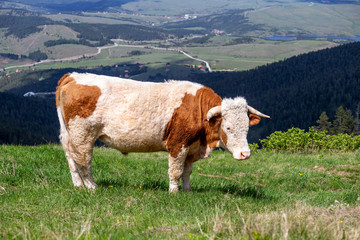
{"x": 245, "y": 155}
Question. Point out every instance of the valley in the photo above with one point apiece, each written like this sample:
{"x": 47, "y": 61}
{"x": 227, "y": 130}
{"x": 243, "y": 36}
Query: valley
{"x": 227, "y": 46}
{"x": 215, "y": 33}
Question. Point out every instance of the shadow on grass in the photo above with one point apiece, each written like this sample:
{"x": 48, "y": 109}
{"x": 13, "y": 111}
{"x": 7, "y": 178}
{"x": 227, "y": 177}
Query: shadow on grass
{"x": 149, "y": 184}
{"x": 111, "y": 183}
{"x": 252, "y": 191}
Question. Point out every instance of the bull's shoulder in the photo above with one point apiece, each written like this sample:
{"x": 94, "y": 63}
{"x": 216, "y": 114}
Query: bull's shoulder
{"x": 207, "y": 99}
{"x": 188, "y": 122}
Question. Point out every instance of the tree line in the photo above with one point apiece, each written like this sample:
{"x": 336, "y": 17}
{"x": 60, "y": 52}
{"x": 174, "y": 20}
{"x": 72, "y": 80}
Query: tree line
{"x": 27, "y": 121}
{"x": 24, "y": 25}
{"x": 35, "y": 55}
{"x": 344, "y": 122}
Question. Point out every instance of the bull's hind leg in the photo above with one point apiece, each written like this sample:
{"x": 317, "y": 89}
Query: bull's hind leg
{"x": 76, "y": 178}
{"x": 82, "y": 161}
{"x": 79, "y": 159}
{"x": 69, "y": 152}
{"x": 78, "y": 142}
{"x": 176, "y": 169}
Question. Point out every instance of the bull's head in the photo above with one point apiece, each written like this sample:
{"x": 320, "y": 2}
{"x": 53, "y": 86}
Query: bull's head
{"x": 237, "y": 116}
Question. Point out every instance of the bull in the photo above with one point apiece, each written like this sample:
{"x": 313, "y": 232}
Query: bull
{"x": 188, "y": 120}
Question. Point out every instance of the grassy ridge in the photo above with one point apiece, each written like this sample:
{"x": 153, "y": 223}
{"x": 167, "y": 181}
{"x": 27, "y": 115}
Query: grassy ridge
{"x": 270, "y": 196}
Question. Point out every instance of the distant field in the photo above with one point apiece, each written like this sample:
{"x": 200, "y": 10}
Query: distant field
{"x": 240, "y": 56}
{"x": 305, "y": 18}
{"x": 108, "y": 18}
{"x": 106, "y": 58}
{"x": 174, "y": 7}
{"x": 248, "y": 56}
{"x": 269, "y": 196}
{"x": 35, "y": 41}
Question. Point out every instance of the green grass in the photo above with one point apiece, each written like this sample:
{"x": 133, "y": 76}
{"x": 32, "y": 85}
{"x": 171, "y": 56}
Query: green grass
{"x": 269, "y": 196}
{"x": 251, "y": 55}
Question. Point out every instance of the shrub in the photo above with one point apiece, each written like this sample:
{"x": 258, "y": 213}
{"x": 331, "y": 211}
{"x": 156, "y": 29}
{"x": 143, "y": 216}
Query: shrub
{"x": 297, "y": 140}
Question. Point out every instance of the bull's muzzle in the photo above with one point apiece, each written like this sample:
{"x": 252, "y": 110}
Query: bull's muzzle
{"x": 241, "y": 155}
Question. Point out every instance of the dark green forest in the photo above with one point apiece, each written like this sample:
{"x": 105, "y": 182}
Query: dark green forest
{"x": 22, "y": 24}
{"x": 294, "y": 92}
{"x": 27, "y": 121}
{"x": 232, "y": 22}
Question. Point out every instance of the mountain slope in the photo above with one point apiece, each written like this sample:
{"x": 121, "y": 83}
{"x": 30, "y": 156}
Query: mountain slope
{"x": 27, "y": 121}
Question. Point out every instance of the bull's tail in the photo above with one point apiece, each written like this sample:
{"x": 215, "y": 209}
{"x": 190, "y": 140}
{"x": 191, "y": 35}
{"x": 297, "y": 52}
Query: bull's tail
{"x": 64, "y": 133}
{"x": 64, "y": 136}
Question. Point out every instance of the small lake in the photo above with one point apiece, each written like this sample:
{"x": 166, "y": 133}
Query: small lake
{"x": 293, "y": 38}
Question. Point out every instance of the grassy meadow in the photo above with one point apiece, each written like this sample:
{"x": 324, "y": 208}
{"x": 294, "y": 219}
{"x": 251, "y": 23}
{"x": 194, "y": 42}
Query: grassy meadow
{"x": 269, "y": 196}
{"x": 240, "y": 56}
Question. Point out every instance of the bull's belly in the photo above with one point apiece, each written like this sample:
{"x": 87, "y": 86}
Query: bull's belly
{"x": 131, "y": 143}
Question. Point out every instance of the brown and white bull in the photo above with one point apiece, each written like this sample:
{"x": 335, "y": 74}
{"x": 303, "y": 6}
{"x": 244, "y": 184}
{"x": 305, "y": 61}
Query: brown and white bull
{"x": 186, "y": 119}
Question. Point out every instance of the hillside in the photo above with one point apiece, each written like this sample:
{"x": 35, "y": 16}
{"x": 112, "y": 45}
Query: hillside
{"x": 294, "y": 92}
{"x": 54, "y": 28}
{"x": 27, "y": 121}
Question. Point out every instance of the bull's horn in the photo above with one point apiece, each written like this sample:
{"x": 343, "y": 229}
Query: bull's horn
{"x": 256, "y": 112}
{"x": 213, "y": 112}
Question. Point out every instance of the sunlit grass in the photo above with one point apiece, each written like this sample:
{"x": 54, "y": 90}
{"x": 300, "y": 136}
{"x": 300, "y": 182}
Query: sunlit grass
{"x": 269, "y": 196}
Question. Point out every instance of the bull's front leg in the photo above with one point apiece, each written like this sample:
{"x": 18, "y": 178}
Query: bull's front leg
{"x": 176, "y": 168}
{"x": 185, "y": 184}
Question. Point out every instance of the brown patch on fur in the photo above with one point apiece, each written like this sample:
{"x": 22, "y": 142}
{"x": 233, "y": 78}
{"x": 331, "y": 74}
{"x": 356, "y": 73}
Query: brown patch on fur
{"x": 189, "y": 124}
{"x": 223, "y": 136}
{"x": 76, "y": 99}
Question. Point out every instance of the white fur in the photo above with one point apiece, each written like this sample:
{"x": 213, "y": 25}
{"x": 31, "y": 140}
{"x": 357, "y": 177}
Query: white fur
{"x": 176, "y": 170}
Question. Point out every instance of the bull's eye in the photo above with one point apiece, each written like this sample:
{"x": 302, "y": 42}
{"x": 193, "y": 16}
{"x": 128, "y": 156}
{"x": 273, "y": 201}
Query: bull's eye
{"x": 229, "y": 129}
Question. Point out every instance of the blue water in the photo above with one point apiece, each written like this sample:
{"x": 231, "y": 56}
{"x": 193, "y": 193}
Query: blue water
{"x": 292, "y": 38}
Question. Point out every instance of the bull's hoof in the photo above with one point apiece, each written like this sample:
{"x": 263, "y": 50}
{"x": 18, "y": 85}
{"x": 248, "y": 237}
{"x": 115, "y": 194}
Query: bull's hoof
{"x": 173, "y": 189}
{"x": 186, "y": 189}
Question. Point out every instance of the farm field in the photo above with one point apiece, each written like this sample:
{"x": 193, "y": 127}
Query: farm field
{"x": 252, "y": 55}
{"x": 239, "y": 56}
{"x": 269, "y": 196}
{"x": 310, "y": 18}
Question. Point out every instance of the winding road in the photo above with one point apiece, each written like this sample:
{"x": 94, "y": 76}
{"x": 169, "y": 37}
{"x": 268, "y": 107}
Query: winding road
{"x": 99, "y": 50}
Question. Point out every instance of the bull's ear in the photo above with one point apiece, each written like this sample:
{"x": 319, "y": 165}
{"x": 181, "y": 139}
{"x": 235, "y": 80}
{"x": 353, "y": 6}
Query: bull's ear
{"x": 254, "y": 119}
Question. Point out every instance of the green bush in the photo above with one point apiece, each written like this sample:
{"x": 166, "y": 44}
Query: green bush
{"x": 297, "y": 140}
